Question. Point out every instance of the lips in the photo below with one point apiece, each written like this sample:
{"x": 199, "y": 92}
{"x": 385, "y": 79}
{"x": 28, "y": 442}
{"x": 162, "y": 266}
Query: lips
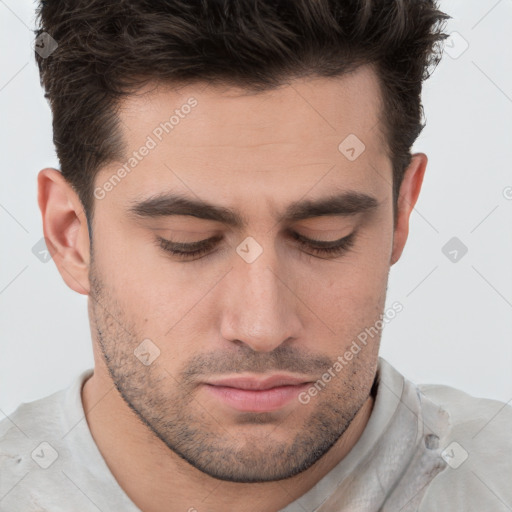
{"x": 257, "y": 395}
{"x": 259, "y": 384}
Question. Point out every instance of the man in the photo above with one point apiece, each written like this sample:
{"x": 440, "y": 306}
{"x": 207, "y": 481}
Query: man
{"x": 236, "y": 181}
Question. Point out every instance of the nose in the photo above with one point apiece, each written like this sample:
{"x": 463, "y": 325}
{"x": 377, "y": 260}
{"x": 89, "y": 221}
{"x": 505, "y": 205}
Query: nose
{"x": 260, "y": 307}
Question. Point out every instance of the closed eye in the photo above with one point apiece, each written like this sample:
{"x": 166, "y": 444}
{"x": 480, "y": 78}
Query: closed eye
{"x": 320, "y": 248}
{"x": 326, "y": 248}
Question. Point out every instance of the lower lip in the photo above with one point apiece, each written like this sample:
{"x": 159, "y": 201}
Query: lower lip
{"x": 257, "y": 401}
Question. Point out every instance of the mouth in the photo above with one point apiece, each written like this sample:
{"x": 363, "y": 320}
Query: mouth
{"x": 259, "y": 384}
{"x": 257, "y": 395}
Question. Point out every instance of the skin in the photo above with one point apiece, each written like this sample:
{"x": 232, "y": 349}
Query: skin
{"x": 168, "y": 442}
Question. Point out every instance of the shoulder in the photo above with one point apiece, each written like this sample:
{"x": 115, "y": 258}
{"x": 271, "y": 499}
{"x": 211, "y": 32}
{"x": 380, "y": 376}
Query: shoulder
{"x": 34, "y": 446}
{"x": 29, "y": 425}
{"x": 46, "y": 417}
{"x": 26, "y": 444}
{"x": 470, "y": 415}
{"x": 477, "y": 452}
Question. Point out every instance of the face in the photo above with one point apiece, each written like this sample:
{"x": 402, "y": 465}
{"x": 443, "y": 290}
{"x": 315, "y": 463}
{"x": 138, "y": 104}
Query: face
{"x": 282, "y": 246}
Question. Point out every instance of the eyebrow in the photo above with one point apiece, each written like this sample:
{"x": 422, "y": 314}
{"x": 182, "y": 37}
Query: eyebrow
{"x": 169, "y": 204}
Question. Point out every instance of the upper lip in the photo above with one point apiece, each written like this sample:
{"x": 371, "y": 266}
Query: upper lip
{"x": 259, "y": 383}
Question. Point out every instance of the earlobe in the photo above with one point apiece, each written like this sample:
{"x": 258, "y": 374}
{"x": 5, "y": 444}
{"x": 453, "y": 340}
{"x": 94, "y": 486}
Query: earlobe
{"x": 65, "y": 229}
{"x": 409, "y": 192}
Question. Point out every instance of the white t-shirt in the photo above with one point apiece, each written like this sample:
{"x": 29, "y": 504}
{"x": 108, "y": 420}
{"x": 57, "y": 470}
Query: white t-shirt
{"x": 425, "y": 448}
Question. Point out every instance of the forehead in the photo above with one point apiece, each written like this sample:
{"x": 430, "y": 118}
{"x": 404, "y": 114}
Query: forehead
{"x": 236, "y": 117}
{"x": 204, "y": 139}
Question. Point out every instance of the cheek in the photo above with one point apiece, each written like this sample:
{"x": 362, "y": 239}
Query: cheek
{"x": 132, "y": 268}
{"x": 351, "y": 293}
{"x": 161, "y": 299}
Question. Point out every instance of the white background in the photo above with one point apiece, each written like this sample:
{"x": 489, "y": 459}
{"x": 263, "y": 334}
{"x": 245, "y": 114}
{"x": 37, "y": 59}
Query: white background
{"x": 456, "y": 326}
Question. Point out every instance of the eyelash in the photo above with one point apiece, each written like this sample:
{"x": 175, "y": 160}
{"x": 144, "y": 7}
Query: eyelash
{"x": 330, "y": 249}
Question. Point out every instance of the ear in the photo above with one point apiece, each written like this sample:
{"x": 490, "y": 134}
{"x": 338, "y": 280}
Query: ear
{"x": 65, "y": 229}
{"x": 409, "y": 192}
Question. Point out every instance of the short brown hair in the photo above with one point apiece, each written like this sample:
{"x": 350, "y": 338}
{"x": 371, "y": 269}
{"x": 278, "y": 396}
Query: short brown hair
{"x": 110, "y": 48}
